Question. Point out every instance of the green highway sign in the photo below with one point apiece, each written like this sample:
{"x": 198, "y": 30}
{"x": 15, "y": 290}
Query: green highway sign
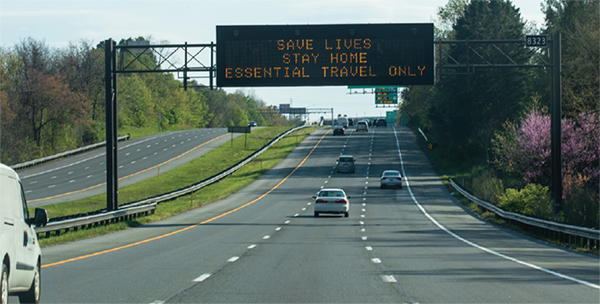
{"x": 386, "y": 95}
{"x": 390, "y": 116}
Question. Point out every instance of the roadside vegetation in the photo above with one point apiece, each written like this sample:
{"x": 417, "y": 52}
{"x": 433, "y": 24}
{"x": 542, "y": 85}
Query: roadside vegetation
{"x": 52, "y": 100}
{"x": 190, "y": 173}
{"x": 490, "y": 129}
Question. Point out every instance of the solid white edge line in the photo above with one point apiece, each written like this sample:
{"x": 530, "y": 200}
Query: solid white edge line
{"x": 560, "y": 275}
{"x": 202, "y": 277}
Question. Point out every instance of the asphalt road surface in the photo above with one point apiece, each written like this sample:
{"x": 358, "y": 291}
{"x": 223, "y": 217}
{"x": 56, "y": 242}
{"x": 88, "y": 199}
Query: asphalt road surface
{"x": 84, "y": 175}
{"x": 263, "y": 244}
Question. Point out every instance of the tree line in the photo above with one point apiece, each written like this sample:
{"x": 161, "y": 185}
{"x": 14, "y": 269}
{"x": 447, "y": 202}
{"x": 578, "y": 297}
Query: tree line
{"x": 52, "y": 100}
{"x": 493, "y": 125}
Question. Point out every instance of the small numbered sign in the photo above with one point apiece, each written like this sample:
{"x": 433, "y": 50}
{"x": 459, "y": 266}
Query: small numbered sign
{"x": 536, "y": 40}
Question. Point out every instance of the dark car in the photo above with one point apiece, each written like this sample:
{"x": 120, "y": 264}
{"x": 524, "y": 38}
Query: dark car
{"x": 338, "y": 130}
{"x": 381, "y": 123}
{"x": 252, "y": 124}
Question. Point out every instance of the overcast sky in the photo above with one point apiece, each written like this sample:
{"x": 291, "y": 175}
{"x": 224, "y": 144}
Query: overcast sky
{"x": 59, "y": 22}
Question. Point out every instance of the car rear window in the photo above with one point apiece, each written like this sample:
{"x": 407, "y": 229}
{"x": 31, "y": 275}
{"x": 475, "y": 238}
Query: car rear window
{"x": 345, "y": 159}
{"x": 391, "y": 174}
{"x": 331, "y": 194}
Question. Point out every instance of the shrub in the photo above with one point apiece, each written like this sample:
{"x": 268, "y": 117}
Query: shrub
{"x": 488, "y": 187}
{"x": 533, "y": 200}
{"x": 580, "y": 205}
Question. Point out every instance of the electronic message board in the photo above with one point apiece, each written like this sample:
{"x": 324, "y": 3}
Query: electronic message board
{"x": 319, "y": 55}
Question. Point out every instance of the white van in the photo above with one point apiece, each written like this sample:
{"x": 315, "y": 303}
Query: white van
{"x": 342, "y": 121}
{"x": 19, "y": 248}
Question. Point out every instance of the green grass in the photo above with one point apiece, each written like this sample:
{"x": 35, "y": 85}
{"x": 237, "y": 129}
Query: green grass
{"x": 192, "y": 172}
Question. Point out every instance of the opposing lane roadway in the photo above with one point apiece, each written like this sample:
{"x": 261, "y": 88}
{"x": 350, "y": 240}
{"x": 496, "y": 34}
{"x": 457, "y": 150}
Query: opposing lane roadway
{"x": 84, "y": 175}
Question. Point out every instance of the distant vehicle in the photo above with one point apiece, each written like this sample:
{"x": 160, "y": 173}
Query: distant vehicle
{"x": 391, "y": 179}
{"x": 342, "y": 121}
{"x": 381, "y": 123}
{"x": 252, "y": 124}
{"x": 19, "y": 246}
{"x": 332, "y": 201}
{"x": 338, "y": 130}
{"x": 345, "y": 164}
{"x": 362, "y": 126}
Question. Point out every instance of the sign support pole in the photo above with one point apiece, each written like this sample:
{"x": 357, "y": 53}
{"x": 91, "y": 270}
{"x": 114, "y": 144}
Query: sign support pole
{"x": 555, "y": 126}
{"x": 110, "y": 79}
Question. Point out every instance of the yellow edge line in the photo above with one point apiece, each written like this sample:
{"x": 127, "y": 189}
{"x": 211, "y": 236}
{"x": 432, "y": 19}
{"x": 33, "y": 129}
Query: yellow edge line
{"x": 192, "y": 226}
{"x": 130, "y": 175}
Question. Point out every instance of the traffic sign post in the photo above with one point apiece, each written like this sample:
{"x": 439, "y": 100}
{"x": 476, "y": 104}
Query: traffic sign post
{"x": 245, "y": 130}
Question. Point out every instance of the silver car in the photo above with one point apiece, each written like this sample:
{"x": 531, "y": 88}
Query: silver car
{"x": 345, "y": 164}
{"x": 391, "y": 179}
{"x": 332, "y": 201}
{"x": 362, "y": 126}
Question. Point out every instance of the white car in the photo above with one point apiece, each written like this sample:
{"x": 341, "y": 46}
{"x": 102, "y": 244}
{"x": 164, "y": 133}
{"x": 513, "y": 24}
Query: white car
{"x": 391, "y": 178}
{"x": 19, "y": 247}
{"x": 332, "y": 201}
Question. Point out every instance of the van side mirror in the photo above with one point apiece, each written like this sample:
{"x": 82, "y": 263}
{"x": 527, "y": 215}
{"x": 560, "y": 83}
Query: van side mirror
{"x": 40, "y": 218}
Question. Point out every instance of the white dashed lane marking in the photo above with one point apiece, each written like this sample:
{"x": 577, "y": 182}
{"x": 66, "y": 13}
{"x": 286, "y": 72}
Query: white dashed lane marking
{"x": 202, "y": 277}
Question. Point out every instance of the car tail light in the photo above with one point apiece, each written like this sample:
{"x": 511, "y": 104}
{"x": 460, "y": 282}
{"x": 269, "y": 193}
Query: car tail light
{"x": 383, "y": 178}
{"x": 320, "y": 201}
{"x": 342, "y": 201}
{"x": 398, "y": 178}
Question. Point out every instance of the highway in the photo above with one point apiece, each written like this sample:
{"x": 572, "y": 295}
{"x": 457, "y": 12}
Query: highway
{"x": 84, "y": 175}
{"x": 263, "y": 244}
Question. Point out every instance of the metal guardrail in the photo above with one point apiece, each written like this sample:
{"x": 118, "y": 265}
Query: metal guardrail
{"x": 38, "y": 161}
{"x": 149, "y": 204}
{"x": 95, "y": 220}
{"x": 588, "y": 233}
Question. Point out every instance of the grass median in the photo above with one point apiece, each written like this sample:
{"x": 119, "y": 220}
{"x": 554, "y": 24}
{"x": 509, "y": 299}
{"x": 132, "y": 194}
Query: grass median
{"x": 206, "y": 166}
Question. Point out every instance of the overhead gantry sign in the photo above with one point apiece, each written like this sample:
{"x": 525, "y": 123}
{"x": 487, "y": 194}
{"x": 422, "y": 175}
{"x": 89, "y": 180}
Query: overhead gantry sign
{"x": 319, "y": 55}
